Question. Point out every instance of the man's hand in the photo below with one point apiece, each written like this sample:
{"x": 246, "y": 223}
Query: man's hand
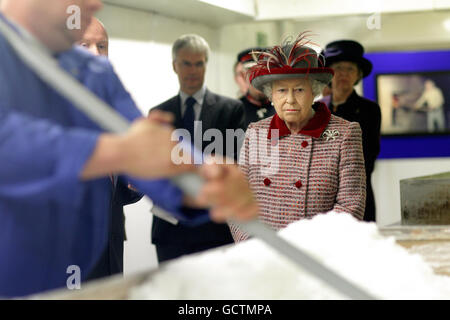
{"x": 144, "y": 151}
{"x": 228, "y": 193}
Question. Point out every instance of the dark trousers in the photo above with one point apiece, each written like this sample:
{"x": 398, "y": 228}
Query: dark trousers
{"x": 167, "y": 252}
{"x": 369, "y": 214}
{"x": 111, "y": 261}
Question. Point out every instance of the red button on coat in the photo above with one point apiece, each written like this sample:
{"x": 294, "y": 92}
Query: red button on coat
{"x": 304, "y": 144}
{"x": 298, "y": 184}
{"x": 267, "y": 181}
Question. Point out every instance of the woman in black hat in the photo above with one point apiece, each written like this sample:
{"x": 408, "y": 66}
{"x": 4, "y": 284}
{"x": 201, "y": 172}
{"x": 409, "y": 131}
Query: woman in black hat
{"x": 345, "y": 57}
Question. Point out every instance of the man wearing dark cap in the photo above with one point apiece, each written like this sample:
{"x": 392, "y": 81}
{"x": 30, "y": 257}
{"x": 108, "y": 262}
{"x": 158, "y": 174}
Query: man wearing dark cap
{"x": 256, "y": 104}
{"x": 345, "y": 57}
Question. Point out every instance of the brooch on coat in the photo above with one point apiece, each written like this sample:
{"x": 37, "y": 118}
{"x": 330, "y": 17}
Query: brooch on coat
{"x": 261, "y": 112}
{"x": 330, "y": 135}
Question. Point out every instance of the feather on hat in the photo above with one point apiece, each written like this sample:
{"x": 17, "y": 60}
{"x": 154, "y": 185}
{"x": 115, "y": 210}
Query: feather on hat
{"x": 290, "y": 60}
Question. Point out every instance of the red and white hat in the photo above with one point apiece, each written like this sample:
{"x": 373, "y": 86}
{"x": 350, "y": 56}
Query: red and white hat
{"x": 288, "y": 61}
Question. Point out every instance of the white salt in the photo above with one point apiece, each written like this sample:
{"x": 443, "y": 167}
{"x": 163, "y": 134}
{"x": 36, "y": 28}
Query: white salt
{"x": 253, "y": 270}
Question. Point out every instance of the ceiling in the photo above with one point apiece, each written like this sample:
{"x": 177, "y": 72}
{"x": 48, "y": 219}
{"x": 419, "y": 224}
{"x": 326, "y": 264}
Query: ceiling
{"x": 221, "y": 12}
{"x": 192, "y": 10}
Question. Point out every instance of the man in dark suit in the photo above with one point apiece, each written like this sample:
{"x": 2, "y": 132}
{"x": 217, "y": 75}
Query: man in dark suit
{"x": 196, "y": 109}
{"x": 96, "y": 40}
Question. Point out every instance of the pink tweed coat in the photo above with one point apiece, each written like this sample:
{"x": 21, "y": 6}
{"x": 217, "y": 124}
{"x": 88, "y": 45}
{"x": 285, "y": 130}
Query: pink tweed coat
{"x": 297, "y": 176}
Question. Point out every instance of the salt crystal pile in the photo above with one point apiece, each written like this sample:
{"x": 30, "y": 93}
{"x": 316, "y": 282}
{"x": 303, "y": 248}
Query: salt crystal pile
{"x": 253, "y": 270}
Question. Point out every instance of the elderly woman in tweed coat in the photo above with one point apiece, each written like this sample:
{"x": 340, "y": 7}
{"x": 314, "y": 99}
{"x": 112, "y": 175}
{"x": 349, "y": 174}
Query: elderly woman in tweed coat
{"x": 302, "y": 161}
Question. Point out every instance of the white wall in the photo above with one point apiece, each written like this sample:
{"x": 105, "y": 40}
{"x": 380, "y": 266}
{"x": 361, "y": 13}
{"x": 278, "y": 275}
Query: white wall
{"x": 141, "y": 53}
{"x": 140, "y": 49}
{"x": 400, "y": 31}
{"x": 235, "y": 38}
{"x": 386, "y": 183}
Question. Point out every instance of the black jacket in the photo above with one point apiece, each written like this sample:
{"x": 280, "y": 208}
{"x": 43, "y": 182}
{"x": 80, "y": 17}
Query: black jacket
{"x": 368, "y": 114}
{"x": 220, "y": 113}
{"x": 254, "y": 113}
{"x": 111, "y": 261}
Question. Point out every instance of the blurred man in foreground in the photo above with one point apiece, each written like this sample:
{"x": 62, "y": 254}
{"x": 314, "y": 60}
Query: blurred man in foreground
{"x": 55, "y": 187}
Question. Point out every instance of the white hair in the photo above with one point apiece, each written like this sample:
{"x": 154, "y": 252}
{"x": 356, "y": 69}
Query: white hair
{"x": 316, "y": 87}
{"x": 192, "y": 42}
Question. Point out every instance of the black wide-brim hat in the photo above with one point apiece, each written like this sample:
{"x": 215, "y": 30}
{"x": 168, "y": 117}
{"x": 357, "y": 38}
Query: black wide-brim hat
{"x": 289, "y": 61}
{"x": 347, "y": 50}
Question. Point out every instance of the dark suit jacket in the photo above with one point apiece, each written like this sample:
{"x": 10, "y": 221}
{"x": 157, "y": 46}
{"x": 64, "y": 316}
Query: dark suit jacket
{"x": 220, "y": 113}
{"x": 255, "y": 113}
{"x": 111, "y": 261}
{"x": 368, "y": 114}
